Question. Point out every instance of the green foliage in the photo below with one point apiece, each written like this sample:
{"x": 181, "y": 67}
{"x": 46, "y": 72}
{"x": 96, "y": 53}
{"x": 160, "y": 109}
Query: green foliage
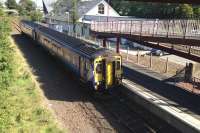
{"x": 4, "y": 27}
{"x": 185, "y": 11}
{"x": 36, "y": 15}
{"x": 6, "y": 70}
{"x": 26, "y": 7}
{"x": 122, "y": 7}
{"x": 1, "y": 12}
{"x": 154, "y": 10}
{"x": 21, "y": 110}
{"x": 196, "y": 12}
{"x": 11, "y": 4}
{"x": 67, "y": 4}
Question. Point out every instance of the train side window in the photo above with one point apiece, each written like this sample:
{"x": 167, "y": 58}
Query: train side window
{"x": 118, "y": 65}
{"x": 99, "y": 68}
{"x": 73, "y": 60}
{"x": 87, "y": 65}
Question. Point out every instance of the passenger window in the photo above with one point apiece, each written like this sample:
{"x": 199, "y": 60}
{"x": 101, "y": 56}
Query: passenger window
{"x": 87, "y": 65}
{"x": 118, "y": 65}
{"x": 99, "y": 68}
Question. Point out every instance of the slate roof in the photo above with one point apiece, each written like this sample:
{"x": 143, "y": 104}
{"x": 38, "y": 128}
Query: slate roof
{"x": 104, "y": 18}
{"x": 84, "y": 6}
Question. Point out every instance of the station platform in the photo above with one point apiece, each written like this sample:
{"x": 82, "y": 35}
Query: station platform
{"x": 152, "y": 90}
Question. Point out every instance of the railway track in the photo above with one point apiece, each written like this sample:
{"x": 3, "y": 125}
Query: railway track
{"x": 131, "y": 121}
{"x": 98, "y": 121}
{"x": 130, "y": 116}
{"x": 16, "y": 26}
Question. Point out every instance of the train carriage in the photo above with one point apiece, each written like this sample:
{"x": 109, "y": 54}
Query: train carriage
{"x": 99, "y": 67}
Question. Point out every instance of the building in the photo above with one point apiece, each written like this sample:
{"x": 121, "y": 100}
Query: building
{"x": 87, "y": 11}
{"x": 96, "y": 8}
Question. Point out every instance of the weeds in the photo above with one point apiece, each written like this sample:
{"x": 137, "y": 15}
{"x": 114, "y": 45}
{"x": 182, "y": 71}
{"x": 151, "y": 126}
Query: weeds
{"x": 21, "y": 108}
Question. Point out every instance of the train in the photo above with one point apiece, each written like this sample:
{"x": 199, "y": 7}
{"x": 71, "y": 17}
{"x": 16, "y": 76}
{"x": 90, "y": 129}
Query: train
{"x": 98, "y": 67}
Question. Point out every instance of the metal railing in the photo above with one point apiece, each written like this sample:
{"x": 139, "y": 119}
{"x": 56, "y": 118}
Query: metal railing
{"x": 196, "y": 83}
{"x": 186, "y": 29}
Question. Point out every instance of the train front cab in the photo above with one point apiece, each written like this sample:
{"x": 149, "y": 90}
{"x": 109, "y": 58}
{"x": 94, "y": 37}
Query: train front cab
{"x": 107, "y": 72}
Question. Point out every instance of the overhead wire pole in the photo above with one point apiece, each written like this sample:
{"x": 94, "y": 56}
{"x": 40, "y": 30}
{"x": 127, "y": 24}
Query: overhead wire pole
{"x": 68, "y": 26}
{"x": 74, "y": 15}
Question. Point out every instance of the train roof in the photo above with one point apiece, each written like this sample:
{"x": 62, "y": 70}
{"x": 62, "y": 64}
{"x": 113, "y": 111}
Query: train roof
{"x": 88, "y": 49}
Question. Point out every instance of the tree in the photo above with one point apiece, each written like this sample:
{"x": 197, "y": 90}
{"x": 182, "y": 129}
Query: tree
{"x": 153, "y": 10}
{"x": 196, "y": 12}
{"x": 26, "y": 7}
{"x": 36, "y": 15}
{"x": 11, "y": 4}
{"x": 122, "y": 7}
{"x": 185, "y": 11}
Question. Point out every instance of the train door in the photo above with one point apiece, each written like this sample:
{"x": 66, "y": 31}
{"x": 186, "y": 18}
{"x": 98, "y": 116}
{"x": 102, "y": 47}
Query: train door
{"x": 110, "y": 73}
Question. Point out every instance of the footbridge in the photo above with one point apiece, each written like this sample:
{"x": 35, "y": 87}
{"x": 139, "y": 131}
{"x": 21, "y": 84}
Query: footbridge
{"x": 179, "y": 37}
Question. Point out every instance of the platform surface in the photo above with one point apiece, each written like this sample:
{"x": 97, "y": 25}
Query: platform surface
{"x": 174, "y": 104}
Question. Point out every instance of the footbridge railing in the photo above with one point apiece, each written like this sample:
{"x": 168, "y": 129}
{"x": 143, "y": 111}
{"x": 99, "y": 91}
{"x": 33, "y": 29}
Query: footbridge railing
{"x": 184, "y": 29}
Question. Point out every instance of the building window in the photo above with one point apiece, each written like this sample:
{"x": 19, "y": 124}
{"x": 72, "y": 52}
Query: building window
{"x": 101, "y": 9}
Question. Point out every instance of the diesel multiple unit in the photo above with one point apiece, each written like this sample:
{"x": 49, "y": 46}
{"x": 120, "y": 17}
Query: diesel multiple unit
{"x": 98, "y": 67}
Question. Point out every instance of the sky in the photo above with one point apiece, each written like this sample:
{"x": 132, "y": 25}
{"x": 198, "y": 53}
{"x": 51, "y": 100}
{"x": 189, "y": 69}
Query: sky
{"x": 38, "y": 2}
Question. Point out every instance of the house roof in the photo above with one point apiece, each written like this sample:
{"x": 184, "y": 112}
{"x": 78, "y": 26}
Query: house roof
{"x": 105, "y": 18}
{"x": 84, "y": 6}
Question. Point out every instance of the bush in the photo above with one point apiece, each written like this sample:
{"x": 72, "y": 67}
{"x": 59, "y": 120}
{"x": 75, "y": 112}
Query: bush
{"x": 21, "y": 105}
{"x": 6, "y": 54}
{"x": 36, "y": 16}
{"x": 196, "y": 12}
{"x": 1, "y": 12}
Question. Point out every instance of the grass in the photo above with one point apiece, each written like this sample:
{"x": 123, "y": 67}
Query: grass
{"x": 22, "y": 104}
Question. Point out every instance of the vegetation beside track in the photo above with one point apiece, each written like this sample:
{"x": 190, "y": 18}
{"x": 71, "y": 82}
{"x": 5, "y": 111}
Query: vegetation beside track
{"x": 22, "y": 105}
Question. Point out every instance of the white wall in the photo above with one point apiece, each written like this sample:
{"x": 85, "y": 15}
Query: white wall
{"x": 108, "y": 10}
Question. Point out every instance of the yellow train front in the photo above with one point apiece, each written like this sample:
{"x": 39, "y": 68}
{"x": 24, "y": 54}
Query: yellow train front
{"x": 107, "y": 71}
{"x": 98, "y": 67}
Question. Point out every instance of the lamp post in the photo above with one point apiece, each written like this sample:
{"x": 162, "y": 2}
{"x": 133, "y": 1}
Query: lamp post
{"x": 67, "y": 13}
